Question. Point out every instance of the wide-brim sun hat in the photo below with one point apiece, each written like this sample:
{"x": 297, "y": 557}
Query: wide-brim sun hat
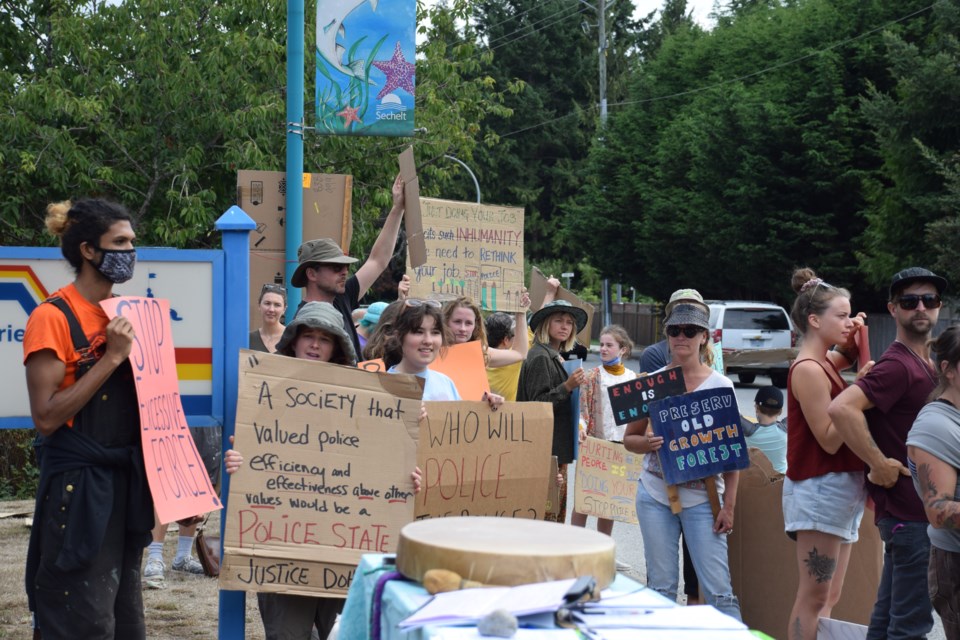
{"x": 686, "y": 313}
{"x": 323, "y": 316}
{"x": 315, "y": 252}
{"x": 559, "y": 306}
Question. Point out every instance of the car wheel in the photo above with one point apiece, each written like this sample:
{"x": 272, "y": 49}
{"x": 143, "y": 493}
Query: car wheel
{"x": 779, "y": 379}
{"x": 746, "y": 378}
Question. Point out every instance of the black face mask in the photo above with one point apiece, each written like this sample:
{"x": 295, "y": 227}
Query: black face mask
{"x": 116, "y": 265}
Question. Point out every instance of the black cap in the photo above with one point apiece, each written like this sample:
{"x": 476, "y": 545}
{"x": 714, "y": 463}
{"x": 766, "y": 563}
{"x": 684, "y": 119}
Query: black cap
{"x": 769, "y": 397}
{"x": 905, "y": 278}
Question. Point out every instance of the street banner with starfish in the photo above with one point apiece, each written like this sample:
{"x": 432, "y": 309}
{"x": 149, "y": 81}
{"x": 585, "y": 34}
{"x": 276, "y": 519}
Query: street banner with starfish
{"x": 365, "y": 67}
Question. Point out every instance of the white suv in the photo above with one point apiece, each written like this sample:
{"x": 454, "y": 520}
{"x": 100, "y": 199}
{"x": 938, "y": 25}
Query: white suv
{"x": 741, "y": 325}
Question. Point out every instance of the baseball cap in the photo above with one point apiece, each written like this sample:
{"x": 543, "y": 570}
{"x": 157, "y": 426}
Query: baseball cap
{"x": 769, "y": 397}
{"x": 687, "y": 313}
{"x": 314, "y": 252}
{"x": 691, "y": 296}
{"x": 903, "y": 279}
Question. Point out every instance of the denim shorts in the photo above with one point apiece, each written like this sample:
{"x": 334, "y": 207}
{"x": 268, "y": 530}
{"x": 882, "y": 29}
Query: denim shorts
{"x": 831, "y": 503}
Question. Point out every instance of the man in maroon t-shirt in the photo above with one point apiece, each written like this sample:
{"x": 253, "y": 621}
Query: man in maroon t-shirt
{"x": 874, "y": 416}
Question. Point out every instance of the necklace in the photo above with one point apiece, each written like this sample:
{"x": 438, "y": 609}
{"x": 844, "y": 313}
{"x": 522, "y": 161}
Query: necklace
{"x": 926, "y": 365}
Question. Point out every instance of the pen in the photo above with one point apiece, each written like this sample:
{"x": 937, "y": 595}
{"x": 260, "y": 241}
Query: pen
{"x": 614, "y": 612}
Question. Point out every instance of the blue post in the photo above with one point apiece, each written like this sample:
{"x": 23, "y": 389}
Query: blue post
{"x": 294, "y": 199}
{"x": 235, "y": 225}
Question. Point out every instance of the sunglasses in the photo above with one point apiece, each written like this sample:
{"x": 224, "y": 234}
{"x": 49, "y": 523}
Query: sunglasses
{"x": 688, "y": 330}
{"x": 272, "y": 288}
{"x": 413, "y": 303}
{"x": 910, "y": 301}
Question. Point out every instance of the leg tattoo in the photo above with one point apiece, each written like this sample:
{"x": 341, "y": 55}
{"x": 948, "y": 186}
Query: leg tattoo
{"x": 820, "y": 567}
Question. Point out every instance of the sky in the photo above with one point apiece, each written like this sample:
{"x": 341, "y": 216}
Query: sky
{"x": 701, "y": 8}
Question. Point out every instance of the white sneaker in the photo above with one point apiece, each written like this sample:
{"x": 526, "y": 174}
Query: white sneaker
{"x": 188, "y": 564}
{"x": 153, "y": 574}
{"x": 622, "y": 566}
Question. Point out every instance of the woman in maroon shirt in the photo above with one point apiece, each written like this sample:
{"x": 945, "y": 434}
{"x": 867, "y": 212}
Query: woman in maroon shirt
{"x": 823, "y": 494}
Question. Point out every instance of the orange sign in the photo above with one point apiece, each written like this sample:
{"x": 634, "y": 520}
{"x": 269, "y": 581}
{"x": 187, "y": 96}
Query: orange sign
{"x": 178, "y": 478}
{"x": 462, "y": 363}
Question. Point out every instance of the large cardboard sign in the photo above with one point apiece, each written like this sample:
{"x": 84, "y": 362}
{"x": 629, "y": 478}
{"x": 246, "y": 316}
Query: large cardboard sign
{"x": 178, "y": 478}
{"x": 327, "y": 208}
{"x": 606, "y": 480}
{"x": 631, "y": 400}
{"x": 763, "y": 560}
{"x": 538, "y": 290}
{"x": 327, "y": 213}
{"x": 412, "y": 218}
{"x": 479, "y": 462}
{"x": 472, "y": 250}
{"x": 701, "y": 435}
{"x": 329, "y": 451}
{"x": 462, "y": 363}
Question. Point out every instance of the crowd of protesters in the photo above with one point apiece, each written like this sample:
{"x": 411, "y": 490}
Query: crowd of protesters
{"x": 891, "y": 436}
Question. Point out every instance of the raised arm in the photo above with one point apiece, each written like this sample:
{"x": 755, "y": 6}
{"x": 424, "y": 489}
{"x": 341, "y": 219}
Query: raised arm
{"x": 518, "y": 352}
{"x": 382, "y": 249}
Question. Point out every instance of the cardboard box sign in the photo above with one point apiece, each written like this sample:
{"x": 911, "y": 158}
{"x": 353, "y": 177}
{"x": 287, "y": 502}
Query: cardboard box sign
{"x": 701, "y": 435}
{"x": 472, "y": 250}
{"x": 606, "y": 480}
{"x": 763, "y": 560}
{"x": 631, "y": 400}
{"x": 479, "y": 462}
{"x": 329, "y": 451}
{"x": 327, "y": 207}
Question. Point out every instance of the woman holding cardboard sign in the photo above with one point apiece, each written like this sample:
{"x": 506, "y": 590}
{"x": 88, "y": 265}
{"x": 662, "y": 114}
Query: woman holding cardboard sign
{"x": 595, "y": 408}
{"x": 316, "y": 333}
{"x": 543, "y": 379}
{"x": 823, "y": 493}
{"x": 687, "y": 329}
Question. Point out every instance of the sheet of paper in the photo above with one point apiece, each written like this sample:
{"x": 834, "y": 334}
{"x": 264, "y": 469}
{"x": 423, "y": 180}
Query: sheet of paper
{"x": 672, "y": 634}
{"x": 469, "y": 605}
{"x": 471, "y": 633}
{"x": 702, "y": 618}
{"x": 641, "y": 599}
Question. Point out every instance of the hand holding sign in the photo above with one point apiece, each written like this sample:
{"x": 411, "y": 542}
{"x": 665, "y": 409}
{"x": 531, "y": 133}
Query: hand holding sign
{"x": 702, "y": 434}
{"x": 178, "y": 478}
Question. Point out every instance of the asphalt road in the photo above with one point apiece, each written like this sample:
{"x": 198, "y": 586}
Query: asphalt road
{"x": 627, "y": 537}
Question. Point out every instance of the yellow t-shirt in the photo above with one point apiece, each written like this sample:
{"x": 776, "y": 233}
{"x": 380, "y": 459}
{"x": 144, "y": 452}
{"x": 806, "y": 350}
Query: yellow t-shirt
{"x": 504, "y": 380}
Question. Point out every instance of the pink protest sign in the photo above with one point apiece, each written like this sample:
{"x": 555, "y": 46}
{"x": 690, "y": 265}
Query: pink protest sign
{"x": 178, "y": 478}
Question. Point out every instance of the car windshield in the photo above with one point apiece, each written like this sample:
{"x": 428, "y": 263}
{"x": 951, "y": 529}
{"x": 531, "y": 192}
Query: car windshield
{"x": 763, "y": 319}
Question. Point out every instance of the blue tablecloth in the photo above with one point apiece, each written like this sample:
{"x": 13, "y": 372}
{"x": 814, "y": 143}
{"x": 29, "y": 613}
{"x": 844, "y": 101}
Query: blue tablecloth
{"x": 400, "y": 599}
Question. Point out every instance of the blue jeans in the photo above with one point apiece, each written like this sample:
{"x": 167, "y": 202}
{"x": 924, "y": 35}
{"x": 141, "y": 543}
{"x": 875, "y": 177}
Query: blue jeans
{"x": 903, "y": 608}
{"x": 660, "y": 529}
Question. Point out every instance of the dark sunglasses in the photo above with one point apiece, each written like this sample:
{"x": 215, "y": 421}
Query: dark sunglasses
{"x": 909, "y": 301}
{"x": 688, "y": 330}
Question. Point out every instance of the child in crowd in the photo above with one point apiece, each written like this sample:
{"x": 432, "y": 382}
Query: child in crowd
{"x": 316, "y": 333}
{"x": 769, "y": 433}
{"x": 417, "y": 338}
